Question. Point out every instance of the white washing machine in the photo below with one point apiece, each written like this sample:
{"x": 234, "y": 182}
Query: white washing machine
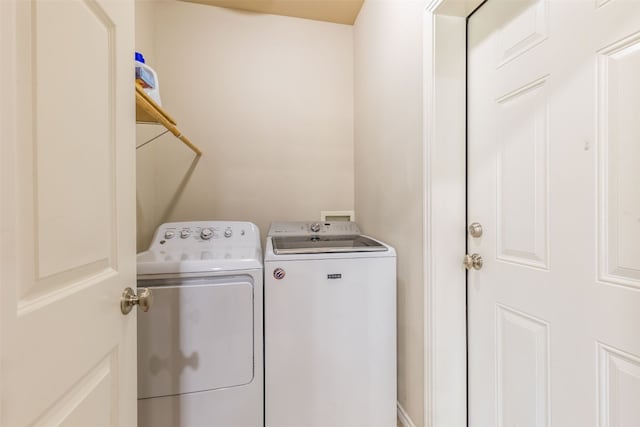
{"x": 200, "y": 352}
{"x": 330, "y": 327}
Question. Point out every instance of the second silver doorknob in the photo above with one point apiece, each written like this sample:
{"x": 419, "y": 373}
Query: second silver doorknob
{"x": 473, "y": 261}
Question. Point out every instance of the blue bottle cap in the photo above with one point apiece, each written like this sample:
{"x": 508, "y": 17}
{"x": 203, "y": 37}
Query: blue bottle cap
{"x": 139, "y": 57}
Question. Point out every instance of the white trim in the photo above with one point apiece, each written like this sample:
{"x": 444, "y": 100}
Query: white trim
{"x": 8, "y": 189}
{"x": 445, "y": 212}
{"x": 404, "y": 418}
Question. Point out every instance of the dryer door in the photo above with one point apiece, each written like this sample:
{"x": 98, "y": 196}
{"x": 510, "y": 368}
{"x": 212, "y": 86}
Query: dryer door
{"x": 197, "y": 337}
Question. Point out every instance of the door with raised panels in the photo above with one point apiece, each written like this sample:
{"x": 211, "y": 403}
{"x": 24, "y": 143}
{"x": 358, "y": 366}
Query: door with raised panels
{"x": 67, "y": 210}
{"x": 554, "y": 182}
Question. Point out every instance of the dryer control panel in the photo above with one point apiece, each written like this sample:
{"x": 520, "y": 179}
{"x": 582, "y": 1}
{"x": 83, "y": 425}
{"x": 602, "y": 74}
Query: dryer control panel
{"x": 201, "y": 246}
{"x": 212, "y": 233}
{"x": 306, "y": 228}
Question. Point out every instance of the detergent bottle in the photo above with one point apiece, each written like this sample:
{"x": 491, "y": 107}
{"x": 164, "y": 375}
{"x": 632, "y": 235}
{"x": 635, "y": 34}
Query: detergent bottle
{"x": 148, "y": 78}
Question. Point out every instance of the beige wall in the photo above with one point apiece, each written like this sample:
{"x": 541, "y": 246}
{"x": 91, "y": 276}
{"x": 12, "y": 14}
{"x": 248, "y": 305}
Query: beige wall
{"x": 389, "y": 166}
{"x": 269, "y": 99}
{"x": 271, "y": 102}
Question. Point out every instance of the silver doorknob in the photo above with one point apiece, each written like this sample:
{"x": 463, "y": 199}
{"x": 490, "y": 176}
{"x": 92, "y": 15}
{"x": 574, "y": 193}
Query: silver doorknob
{"x": 142, "y": 300}
{"x": 475, "y": 229}
{"x": 473, "y": 261}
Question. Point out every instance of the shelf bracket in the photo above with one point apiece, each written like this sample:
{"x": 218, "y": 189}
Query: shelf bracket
{"x": 158, "y": 115}
{"x": 152, "y": 139}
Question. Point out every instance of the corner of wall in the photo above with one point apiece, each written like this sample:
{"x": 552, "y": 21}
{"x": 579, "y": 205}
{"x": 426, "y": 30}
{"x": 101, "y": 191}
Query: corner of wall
{"x": 389, "y": 168}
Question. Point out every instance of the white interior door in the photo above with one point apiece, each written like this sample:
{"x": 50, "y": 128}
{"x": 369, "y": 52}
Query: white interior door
{"x": 554, "y": 180}
{"x": 68, "y": 215}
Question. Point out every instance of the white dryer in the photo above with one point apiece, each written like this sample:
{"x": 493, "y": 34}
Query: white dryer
{"x": 200, "y": 352}
{"x": 330, "y": 327}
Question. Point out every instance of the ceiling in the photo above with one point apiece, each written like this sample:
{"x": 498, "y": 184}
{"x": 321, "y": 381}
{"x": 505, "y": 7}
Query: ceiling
{"x": 338, "y": 11}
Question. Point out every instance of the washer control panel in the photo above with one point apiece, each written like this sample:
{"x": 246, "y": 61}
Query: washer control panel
{"x": 305, "y": 228}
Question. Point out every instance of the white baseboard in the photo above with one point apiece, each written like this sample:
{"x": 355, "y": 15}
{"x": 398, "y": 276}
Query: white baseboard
{"x": 404, "y": 418}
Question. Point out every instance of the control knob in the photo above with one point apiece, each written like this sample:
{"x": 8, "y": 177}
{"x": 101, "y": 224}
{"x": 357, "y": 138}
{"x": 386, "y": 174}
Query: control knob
{"x": 206, "y": 234}
{"x": 169, "y": 234}
{"x": 185, "y": 233}
{"x": 228, "y": 232}
{"x": 315, "y": 227}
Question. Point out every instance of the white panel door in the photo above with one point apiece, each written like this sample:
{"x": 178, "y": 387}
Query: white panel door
{"x": 67, "y": 204}
{"x": 553, "y": 178}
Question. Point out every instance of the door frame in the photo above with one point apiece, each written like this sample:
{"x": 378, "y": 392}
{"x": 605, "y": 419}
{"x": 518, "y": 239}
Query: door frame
{"x": 445, "y": 316}
{"x": 8, "y": 102}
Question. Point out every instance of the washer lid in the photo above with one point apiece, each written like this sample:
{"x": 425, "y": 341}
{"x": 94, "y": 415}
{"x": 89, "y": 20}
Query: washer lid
{"x": 325, "y": 244}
